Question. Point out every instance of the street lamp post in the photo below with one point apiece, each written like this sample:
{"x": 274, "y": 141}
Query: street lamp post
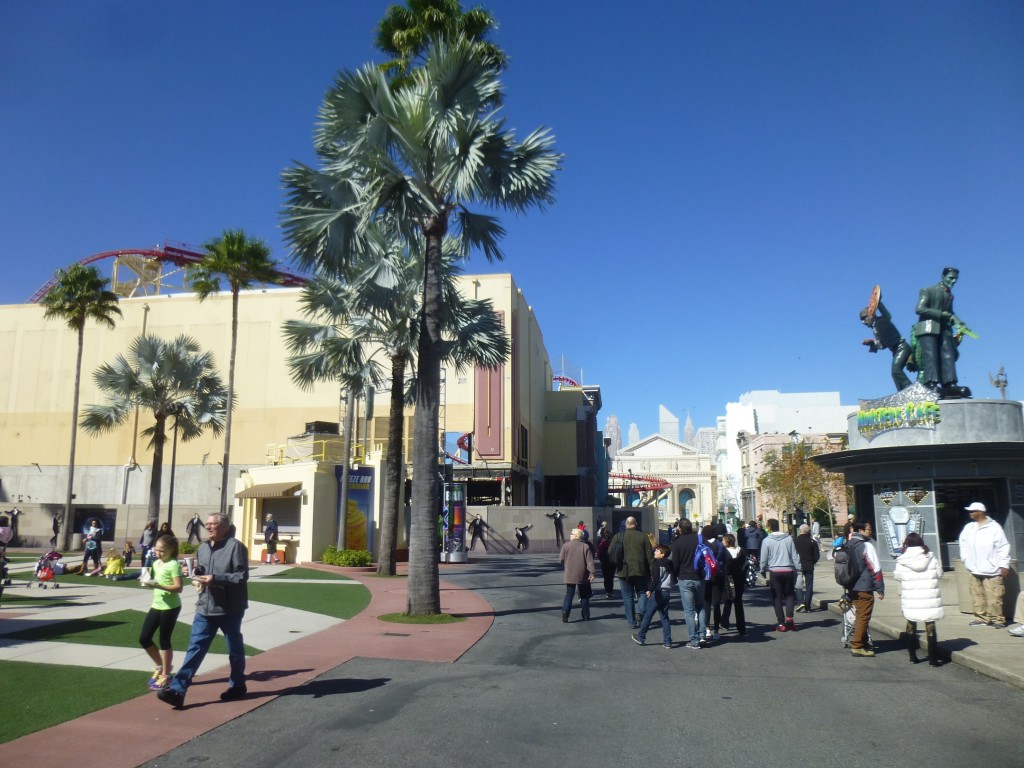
{"x": 629, "y": 493}
{"x": 175, "y": 410}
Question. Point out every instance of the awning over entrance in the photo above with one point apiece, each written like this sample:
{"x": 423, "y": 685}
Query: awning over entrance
{"x": 268, "y": 490}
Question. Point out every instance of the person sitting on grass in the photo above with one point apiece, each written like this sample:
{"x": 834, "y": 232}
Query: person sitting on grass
{"x": 115, "y": 564}
{"x": 163, "y": 613}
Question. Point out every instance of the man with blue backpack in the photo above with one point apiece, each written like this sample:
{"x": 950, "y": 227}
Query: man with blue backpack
{"x": 690, "y": 582}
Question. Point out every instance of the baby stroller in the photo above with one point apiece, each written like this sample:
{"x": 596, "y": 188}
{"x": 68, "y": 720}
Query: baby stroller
{"x": 46, "y": 568}
{"x": 849, "y": 619}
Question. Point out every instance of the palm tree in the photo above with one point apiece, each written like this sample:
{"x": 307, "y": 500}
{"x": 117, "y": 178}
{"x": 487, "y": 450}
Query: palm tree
{"x": 243, "y": 262}
{"x": 169, "y": 378}
{"x": 78, "y": 295}
{"x": 419, "y": 156}
{"x": 406, "y": 32}
{"x": 379, "y": 308}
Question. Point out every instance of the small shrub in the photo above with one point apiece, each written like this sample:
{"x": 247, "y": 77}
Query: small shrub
{"x": 347, "y": 558}
{"x": 187, "y": 548}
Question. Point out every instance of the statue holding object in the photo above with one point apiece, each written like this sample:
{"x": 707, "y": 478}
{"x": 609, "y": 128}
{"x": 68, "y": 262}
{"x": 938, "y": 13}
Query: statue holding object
{"x": 876, "y": 317}
{"x": 937, "y": 332}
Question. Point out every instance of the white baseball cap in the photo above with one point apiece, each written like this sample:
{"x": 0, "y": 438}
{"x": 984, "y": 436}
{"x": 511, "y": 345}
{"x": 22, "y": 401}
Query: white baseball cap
{"x": 976, "y": 507}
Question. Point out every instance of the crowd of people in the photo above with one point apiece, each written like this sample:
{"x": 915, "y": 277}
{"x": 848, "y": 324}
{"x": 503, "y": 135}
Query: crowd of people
{"x": 711, "y": 569}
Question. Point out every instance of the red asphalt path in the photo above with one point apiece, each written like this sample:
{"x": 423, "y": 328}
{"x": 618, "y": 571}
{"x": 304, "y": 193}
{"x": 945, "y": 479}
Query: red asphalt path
{"x": 145, "y": 728}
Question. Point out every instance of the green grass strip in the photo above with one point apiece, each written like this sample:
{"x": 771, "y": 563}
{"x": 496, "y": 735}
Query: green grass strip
{"x": 307, "y": 573}
{"x": 120, "y": 629}
{"x": 341, "y": 602}
{"x": 37, "y": 696}
{"x": 405, "y": 618}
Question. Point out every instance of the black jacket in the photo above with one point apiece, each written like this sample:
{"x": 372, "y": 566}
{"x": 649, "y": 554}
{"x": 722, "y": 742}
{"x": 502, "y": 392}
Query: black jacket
{"x": 807, "y": 549}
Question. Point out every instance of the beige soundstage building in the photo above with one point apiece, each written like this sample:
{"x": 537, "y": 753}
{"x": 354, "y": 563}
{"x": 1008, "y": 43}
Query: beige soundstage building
{"x": 283, "y": 456}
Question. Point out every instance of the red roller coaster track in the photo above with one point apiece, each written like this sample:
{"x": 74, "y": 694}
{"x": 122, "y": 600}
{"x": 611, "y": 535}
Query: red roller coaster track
{"x": 637, "y": 483}
{"x": 178, "y": 254}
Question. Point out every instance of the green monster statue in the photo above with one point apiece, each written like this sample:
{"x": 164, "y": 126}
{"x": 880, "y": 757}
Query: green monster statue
{"x": 937, "y": 332}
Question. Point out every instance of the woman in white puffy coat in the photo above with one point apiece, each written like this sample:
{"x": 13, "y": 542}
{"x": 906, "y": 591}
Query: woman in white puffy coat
{"x": 918, "y": 570}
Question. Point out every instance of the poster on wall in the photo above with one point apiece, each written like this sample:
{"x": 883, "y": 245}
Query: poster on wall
{"x": 359, "y": 517}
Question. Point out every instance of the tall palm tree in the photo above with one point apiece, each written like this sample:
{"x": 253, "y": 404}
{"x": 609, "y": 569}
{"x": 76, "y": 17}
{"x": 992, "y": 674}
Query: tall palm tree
{"x": 379, "y": 307}
{"x": 405, "y": 34}
{"x": 79, "y": 294}
{"x": 243, "y": 262}
{"x": 169, "y": 378}
{"x": 420, "y": 156}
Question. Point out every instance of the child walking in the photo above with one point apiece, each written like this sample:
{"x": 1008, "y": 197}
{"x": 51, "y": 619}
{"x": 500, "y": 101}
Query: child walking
{"x": 659, "y": 592}
{"x": 166, "y": 586}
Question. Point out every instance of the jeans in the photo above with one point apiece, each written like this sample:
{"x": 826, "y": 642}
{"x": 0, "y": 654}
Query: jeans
{"x": 692, "y": 595}
{"x": 658, "y": 601}
{"x": 204, "y": 629}
{"x": 804, "y": 598}
{"x": 713, "y": 604}
{"x": 632, "y": 588}
{"x": 570, "y": 593}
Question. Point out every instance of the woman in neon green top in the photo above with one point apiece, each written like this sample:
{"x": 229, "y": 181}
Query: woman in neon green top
{"x": 163, "y": 614}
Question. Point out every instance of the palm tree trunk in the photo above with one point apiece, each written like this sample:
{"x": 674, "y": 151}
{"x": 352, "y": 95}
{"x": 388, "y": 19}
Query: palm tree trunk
{"x": 66, "y": 527}
{"x": 391, "y": 502}
{"x": 226, "y": 471}
{"x": 153, "y": 512}
{"x": 424, "y": 596}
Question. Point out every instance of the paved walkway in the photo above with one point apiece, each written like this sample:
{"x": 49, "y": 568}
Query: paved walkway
{"x": 992, "y": 652}
{"x": 312, "y": 651}
{"x": 287, "y": 666}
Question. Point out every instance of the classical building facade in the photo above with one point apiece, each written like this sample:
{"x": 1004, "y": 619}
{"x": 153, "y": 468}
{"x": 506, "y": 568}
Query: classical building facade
{"x": 687, "y": 477}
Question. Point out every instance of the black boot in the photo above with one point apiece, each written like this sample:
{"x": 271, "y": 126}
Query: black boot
{"x": 565, "y": 617}
{"x": 912, "y": 644}
{"x": 933, "y": 644}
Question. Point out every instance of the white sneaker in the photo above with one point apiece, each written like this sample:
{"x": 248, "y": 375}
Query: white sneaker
{"x": 1018, "y": 632}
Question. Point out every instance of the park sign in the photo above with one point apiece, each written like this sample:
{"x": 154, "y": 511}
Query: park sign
{"x": 915, "y": 407}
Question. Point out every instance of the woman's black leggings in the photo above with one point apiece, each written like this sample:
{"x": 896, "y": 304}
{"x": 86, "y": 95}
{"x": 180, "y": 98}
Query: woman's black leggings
{"x": 164, "y": 620}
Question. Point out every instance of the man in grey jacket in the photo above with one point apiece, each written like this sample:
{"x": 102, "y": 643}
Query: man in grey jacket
{"x": 221, "y": 576}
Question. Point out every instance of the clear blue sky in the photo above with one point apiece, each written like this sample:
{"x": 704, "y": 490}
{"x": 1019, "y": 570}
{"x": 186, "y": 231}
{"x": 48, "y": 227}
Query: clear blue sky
{"x": 737, "y": 175}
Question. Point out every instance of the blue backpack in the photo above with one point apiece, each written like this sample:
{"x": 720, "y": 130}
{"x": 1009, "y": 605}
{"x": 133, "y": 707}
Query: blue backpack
{"x": 704, "y": 561}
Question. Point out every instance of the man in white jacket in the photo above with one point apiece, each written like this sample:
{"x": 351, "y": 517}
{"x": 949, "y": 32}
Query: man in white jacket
{"x": 986, "y": 555}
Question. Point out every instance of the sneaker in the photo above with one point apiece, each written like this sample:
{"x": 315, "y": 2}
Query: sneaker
{"x": 666, "y": 645}
{"x": 781, "y": 628}
{"x": 978, "y": 623}
{"x": 1018, "y": 632}
{"x": 801, "y": 608}
{"x": 694, "y": 646}
{"x": 997, "y": 625}
{"x": 790, "y": 626}
{"x": 714, "y": 636}
{"x": 637, "y": 640}
{"x": 862, "y": 652}
{"x": 172, "y": 697}
{"x": 159, "y": 683}
{"x": 234, "y": 692}
{"x": 153, "y": 679}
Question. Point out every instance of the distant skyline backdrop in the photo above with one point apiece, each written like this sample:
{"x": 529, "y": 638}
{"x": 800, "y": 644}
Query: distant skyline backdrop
{"x": 737, "y": 176}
